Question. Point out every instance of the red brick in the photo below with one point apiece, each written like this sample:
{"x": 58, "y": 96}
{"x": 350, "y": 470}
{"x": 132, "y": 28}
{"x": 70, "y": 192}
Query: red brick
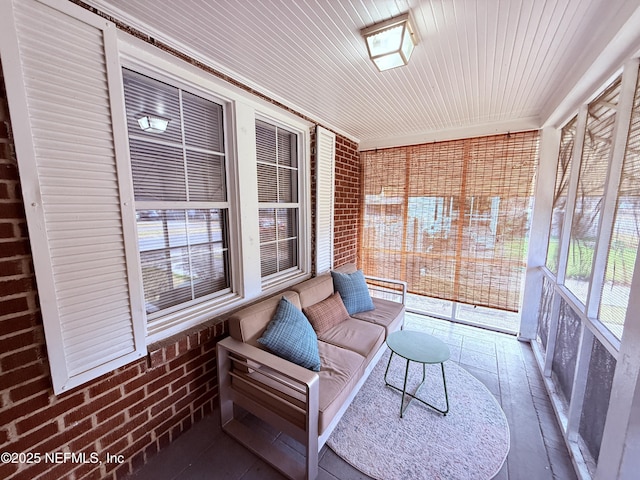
{"x": 21, "y": 358}
{"x": 49, "y": 414}
{"x": 20, "y": 375}
{"x": 89, "y": 438}
{"x": 119, "y": 406}
{"x": 42, "y": 384}
{"x": 6, "y": 231}
{"x": 13, "y": 305}
{"x": 26, "y": 442}
{"x": 90, "y": 408}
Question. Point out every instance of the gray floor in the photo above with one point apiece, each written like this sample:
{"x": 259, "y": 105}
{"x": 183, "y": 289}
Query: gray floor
{"x": 506, "y": 366}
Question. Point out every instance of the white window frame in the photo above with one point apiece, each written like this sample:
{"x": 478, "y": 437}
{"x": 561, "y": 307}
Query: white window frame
{"x": 239, "y": 108}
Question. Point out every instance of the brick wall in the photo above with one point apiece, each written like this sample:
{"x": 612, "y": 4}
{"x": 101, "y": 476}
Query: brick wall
{"x": 347, "y": 202}
{"x": 130, "y": 413}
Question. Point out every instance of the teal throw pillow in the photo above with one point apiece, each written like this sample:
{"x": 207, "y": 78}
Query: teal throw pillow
{"x": 353, "y": 290}
{"x": 290, "y": 336}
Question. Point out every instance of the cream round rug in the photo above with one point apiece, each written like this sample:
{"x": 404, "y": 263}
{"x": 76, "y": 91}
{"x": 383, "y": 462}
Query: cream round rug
{"x": 470, "y": 442}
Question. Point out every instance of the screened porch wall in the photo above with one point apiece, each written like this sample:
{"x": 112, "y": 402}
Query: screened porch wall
{"x": 587, "y": 279}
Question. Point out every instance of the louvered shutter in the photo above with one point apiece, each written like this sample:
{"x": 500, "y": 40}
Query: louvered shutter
{"x": 325, "y": 194}
{"x": 63, "y": 68}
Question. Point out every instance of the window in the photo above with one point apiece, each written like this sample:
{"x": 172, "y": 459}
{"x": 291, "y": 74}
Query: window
{"x": 623, "y": 245}
{"x": 179, "y": 181}
{"x": 560, "y": 194}
{"x": 279, "y": 207}
{"x": 596, "y": 153}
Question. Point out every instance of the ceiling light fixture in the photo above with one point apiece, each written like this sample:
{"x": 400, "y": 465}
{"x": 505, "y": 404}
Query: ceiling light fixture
{"x": 390, "y": 43}
{"x": 152, "y": 123}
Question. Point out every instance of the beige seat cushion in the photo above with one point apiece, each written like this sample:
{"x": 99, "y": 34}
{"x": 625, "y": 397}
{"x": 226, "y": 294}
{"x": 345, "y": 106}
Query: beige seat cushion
{"x": 340, "y": 372}
{"x": 387, "y": 313}
{"x": 359, "y": 336}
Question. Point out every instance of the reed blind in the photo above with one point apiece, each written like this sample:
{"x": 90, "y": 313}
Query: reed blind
{"x": 451, "y": 218}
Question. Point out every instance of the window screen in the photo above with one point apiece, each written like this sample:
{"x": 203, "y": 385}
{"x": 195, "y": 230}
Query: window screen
{"x": 626, "y": 231}
{"x": 596, "y": 154}
{"x": 560, "y": 194}
{"x": 279, "y": 209}
{"x": 179, "y": 181}
{"x": 451, "y": 218}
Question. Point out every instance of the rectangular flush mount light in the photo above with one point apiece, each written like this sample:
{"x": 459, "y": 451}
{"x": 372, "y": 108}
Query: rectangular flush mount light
{"x": 152, "y": 123}
{"x": 390, "y": 43}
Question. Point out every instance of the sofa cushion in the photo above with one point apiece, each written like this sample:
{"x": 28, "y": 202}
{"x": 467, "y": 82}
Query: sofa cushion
{"x": 314, "y": 290}
{"x": 327, "y": 313}
{"x": 387, "y": 313}
{"x": 353, "y": 290}
{"x": 340, "y": 373}
{"x": 362, "y": 337}
{"x": 290, "y": 336}
{"x": 248, "y": 324}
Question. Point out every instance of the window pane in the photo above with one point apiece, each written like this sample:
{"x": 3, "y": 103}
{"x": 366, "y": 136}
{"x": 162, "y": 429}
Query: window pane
{"x": 287, "y": 254}
{"x": 158, "y": 172}
{"x": 560, "y": 194}
{"x": 267, "y": 183}
{"x": 267, "y": 220}
{"x": 206, "y": 174}
{"x": 184, "y": 255}
{"x": 287, "y": 185}
{"x": 202, "y": 123}
{"x": 144, "y": 95}
{"x": 591, "y": 184}
{"x": 266, "y": 143}
{"x": 269, "y": 259}
{"x": 287, "y": 155}
{"x": 623, "y": 245}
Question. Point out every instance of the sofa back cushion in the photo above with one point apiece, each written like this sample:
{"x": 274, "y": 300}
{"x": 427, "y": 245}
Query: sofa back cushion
{"x": 314, "y": 290}
{"x": 248, "y": 324}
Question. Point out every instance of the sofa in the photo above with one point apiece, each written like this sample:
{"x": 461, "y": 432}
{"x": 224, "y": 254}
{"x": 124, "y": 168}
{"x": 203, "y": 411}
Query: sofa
{"x": 334, "y": 334}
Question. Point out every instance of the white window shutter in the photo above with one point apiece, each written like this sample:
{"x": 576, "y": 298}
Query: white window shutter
{"x": 62, "y": 66}
{"x": 325, "y": 195}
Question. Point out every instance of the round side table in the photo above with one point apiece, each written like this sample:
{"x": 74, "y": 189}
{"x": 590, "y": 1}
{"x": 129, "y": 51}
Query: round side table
{"x": 421, "y": 348}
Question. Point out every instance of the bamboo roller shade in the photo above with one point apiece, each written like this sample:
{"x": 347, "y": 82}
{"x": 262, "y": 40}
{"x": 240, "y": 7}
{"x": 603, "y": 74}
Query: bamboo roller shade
{"x": 451, "y": 218}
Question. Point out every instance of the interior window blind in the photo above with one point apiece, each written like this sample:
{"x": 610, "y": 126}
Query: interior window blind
{"x": 279, "y": 209}
{"x": 594, "y": 166}
{"x": 179, "y": 181}
{"x": 623, "y": 245}
{"x": 560, "y": 194}
{"x": 451, "y": 218}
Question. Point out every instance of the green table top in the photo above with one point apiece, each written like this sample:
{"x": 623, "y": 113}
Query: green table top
{"x": 418, "y": 346}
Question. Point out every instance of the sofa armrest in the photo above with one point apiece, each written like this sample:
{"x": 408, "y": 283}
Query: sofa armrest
{"x": 279, "y": 392}
{"x": 387, "y": 288}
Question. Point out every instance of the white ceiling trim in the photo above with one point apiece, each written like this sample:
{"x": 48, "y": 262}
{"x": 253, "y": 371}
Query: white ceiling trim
{"x": 495, "y": 128}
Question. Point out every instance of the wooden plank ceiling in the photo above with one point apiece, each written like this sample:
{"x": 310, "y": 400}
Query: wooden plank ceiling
{"x": 480, "y": 65}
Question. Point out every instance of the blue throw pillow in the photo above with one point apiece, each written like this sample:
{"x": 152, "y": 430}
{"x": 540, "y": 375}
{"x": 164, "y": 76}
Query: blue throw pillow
{"x": 353, "y": 290}
{"x": 290, "y": 336}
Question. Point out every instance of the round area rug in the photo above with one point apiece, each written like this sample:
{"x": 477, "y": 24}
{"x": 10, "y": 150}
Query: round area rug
{"x": 470, "y": 442}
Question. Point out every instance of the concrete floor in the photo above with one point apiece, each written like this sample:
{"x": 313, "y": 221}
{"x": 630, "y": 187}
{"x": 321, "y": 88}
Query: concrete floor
{"x": 506, "y": 366}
